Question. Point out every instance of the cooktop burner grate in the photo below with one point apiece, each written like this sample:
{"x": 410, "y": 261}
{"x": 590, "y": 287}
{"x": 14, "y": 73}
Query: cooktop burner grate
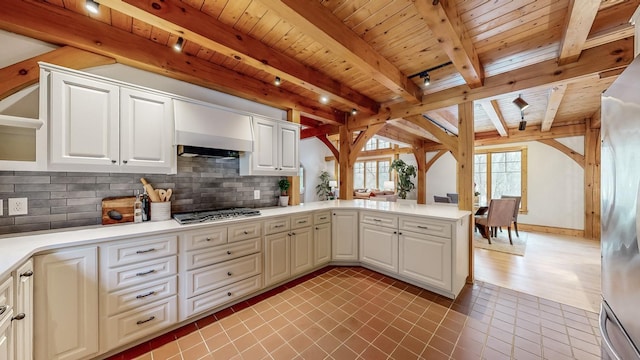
{"x": 214, "y": 215}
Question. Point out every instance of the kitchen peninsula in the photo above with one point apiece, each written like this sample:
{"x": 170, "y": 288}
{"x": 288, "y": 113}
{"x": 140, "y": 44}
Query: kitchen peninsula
{"x": 137, "y": 280}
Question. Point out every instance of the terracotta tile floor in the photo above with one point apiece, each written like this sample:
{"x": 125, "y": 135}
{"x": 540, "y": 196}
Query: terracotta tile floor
{"x": 355, "y": 313}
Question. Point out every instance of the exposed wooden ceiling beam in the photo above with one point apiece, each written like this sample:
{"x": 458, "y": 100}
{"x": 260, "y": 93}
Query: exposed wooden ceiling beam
{"x": 532, "y": 133}
{"x": 612, "y": 23}
{"x": 329, "y": 144}
{"x": 555, "y": 99}
{"x": 178, "y": 18}
{"x": 320, "y": 130}
{"x": 495, "y": 115}
{"x": 580, "y": 17}
{"x": 316, "y": 21}
{"x": 450, "y": 142}
{"x": 24, "y": 73}
{"x": 596, "y": 119}
{"x": 395, "y": 133}
{"x": 446, "y": 25}
{"x": 362, "y": 139}
{"x": 446, "y": 119}
{"x": 610, "y": 56}
{"x": 59, "y": 26}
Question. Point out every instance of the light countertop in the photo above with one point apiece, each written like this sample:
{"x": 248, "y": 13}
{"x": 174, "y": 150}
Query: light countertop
{"x": 15, "y": 249}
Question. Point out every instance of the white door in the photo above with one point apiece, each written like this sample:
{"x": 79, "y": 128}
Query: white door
{"x": 24, "y": 305}
{"x": 277, "y": 258}
{"x": 322, "y": 244}
{"x": 288, "y": 148}
{"x": 66, "y": 304}
{"x": 301, "y": 250}
{"x": 426, "y": 258}
{"x": 265, "y": 144}
{"x": 84, "y": 121}
{"x": 344, "y": 239}
{"x": 146, "y": 130}
{"x": 379, "y": 247}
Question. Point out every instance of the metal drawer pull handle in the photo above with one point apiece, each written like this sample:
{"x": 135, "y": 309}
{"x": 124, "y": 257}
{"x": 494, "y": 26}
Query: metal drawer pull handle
{"x": 208, "y": 239}
{"x": 145, "y": 273}
{"x": 145, "y": 295}
{"x": 124, "y": 161}
{"x": 113, "y": 161}
{"x": 3, "y": 308}
{"x": 229, "y": 293}
{"x": 228, "y": 252}
{"x": 302, "y": 222}
{"x": 317, "y": 228}
{"x": 246, "y": 232}
{"x": 293, "y": 233}
{"x": 423, "y": 227}
{"x": 145, "y": 251}
{"x": 140, "y": 322}
{"x": 27, "y": 273}
{"x": 323, "y": 218}
{"x": 229, "y": 273}
{"x": 19, "y": 317}
{"x": 279, "y": 226}
{"x": 374, "y": 219}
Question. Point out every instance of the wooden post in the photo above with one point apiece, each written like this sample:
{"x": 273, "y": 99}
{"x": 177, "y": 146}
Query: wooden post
{"x": 346, "y": 167}
{"x": 465, "y": 169}
{"x": 421, "y": 159}
{"x": 294, "y": 190}
{"x": 592, "y": 182}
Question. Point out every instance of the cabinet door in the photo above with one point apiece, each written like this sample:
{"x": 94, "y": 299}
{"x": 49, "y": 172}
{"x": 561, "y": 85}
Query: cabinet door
{"x": 84, "y": 124}
{"x": 6, "y": 338}
{"x": 344, "y": 239}
{"x": 322, "y": 244}
{"x": 265, "y": 145}
{"x": 66, "y": 325}
{"x": 301, "y": 250}
{"x": 426, "y": 258}
{"x": 146, "y": 130}
{"x": 289, "y": 136}
{"x": 24, "y": 305}
{"x": 277, "y": 258}
{"x": 379, "y": 247}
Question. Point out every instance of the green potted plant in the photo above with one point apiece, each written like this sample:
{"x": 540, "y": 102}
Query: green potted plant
{"x": 405, "y": 173}
{"x": 323, "y": 189}
{"x": 284, "y": 184}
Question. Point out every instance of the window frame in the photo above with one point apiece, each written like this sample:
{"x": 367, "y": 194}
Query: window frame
{"x": 523, "y": 171}
{"x": 377, "y": 168}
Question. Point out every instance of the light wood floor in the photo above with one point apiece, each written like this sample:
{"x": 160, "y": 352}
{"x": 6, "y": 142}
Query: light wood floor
{"x": 560, "y": 268}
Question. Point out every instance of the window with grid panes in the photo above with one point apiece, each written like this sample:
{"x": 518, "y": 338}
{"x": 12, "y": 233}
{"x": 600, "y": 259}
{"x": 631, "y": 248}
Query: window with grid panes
{"x": 500, "y": 172}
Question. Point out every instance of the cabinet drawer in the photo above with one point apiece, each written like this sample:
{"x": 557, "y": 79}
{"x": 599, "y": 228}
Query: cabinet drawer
{"x": 300, "y": 221}
{"x": 322, "y": 217}
{"x": 277, "y": 225}
{"x": 146, "y": 320}
{"x": 245, "y": 231}
{"x": 426, "y": 226}
{"x": 381, "y": 219}
{"x": 133, "y": 297}
{"x": 225, "y": 294}
{"x": 6, "y": 298}
{"x": 128, "y": 252}
{"x": 135, "y": 274}
{"x": 215, "y": 276}
{"x": 205, "y": 238}
{"x": 204, "y": 257}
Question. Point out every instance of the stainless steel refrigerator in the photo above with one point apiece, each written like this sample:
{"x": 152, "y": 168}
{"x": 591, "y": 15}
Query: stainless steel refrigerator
{"x": 620, "y": 196}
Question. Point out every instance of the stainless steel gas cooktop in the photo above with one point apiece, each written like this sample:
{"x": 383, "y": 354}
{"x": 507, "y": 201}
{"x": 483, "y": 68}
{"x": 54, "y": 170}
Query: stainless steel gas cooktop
{"x": 214, "y": 215}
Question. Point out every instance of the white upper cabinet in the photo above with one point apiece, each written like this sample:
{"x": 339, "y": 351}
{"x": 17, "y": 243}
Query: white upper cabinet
{"x": 96, "y": 124}
{"x": 275, "y": 150}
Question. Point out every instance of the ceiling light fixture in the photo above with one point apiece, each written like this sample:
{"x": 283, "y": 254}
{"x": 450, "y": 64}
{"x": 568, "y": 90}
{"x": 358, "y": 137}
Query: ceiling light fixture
{"x": 179, "y": 44}
{"x": 324, "y": 99}
{"x": 354, "y": 111}
{"x": 92, "y": 6}
{"x": 424, "y": 74}
{"x": 426, "y": 78}
{"x": 523, "y": 124}
{"x": 277, "y": 81}
{"x": 520, "y": 103}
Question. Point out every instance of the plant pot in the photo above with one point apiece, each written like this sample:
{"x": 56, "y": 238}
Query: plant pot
{"x": 284, "y": 200}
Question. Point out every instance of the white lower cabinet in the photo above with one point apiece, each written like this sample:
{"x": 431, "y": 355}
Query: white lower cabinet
{"x": 66, "y": 304}
{"x": 277, "y": 258}
{"x": 301, "y": 250}
{"x": 379, "y": 247}
{"x": 23, "y": 318}
{"x": 344, "y": 239}
{"x": 426, "y": 258}
{"x": 7, "y": 344}
{"x": 322, "y": 244}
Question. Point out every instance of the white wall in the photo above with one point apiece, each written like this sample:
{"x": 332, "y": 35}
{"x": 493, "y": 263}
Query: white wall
{"x": 312, "y": 154}
{"x": 441, "y": 177}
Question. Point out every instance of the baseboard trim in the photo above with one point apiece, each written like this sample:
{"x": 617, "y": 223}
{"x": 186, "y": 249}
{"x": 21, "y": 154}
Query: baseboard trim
{"x": 551, "y": 230}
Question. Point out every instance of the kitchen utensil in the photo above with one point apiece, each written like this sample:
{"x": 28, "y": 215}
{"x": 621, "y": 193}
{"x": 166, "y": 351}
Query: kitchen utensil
{"x": 169, "y": 193}
{"x": 162, "y": 194}
{"x": 150, "y": 190}
{"x": 117, "y": 210}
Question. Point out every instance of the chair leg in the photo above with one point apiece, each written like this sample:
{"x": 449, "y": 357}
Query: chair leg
{"x": 509, "y": 230}
{"x": 487, "y": 231}
{"x": 515, "y": 226}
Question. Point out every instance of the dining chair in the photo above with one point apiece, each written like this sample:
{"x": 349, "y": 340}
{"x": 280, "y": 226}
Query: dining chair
{"x": 441, "y": 199}
{"x": 500, "y": 213}
{"x": 453, "y": 197}
{"x": 515, "y": 211}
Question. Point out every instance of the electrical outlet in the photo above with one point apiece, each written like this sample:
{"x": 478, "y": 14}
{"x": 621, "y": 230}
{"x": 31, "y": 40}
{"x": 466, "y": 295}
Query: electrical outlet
{"x": 18, "y": 206}
{"x": 1, "y": 207}
{"x": 256, "y": 194}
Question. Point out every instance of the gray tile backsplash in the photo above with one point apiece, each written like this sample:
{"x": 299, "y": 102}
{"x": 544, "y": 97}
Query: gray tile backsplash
{"x": 60, "y": 200}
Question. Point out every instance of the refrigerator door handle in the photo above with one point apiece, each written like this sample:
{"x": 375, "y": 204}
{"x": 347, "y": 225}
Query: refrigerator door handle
{"x": 606, "y": 340}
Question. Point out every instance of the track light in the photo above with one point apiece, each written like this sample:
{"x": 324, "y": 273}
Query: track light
{"x": 324, "y": 99}
{"x": 354, "y": 111}
{"x": 523, "y": 124}
{"x": 277, "y": 81}
{"x": 178, "y": 45}
{"x": 520, "y": 103}
{"x": 92, "y": 6}
{"x": 425, "y": 78}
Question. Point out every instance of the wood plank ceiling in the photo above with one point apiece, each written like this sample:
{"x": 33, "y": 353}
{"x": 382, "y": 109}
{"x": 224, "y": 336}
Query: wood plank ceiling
{"x": 559, "y": 55}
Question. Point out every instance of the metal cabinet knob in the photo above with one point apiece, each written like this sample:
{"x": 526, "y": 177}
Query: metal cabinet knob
{"x": 124, "y": 161}
{"x": 229, "y": 273}
{"x": 19, "y": 317}
{"x": 229, "y": 293}
{"x": 27, "y": 273}
{"x": 113, "y": 161}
